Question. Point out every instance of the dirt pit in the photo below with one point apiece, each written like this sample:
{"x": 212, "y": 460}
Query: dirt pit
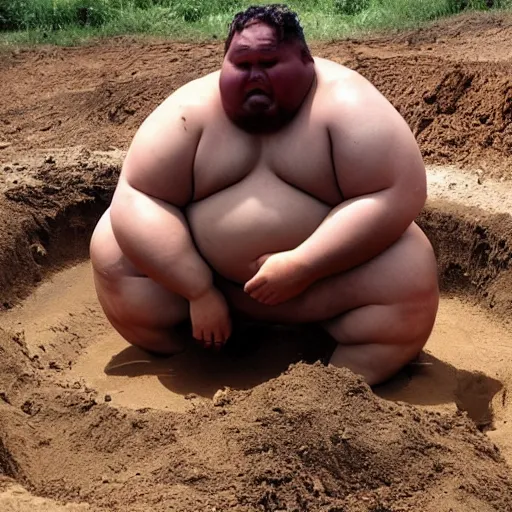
{"x": 89, "y": 423}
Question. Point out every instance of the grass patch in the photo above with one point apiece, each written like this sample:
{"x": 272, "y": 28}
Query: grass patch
{"x": 76, "y": 21}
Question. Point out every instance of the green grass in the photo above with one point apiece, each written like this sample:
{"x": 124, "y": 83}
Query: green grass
{"x": 76, "y": 21}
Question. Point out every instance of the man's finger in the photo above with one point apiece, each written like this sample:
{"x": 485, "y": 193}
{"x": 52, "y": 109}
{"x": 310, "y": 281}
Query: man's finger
{"x": 226, "y": 332}
{"x": 254, "y": 283}
{"x": 271, "y": 300}
{"x": 263, "y": 296}
{"x": 262, "y": 259}
{"x": 208, "y": 337}
{"x": 260, "y": 293}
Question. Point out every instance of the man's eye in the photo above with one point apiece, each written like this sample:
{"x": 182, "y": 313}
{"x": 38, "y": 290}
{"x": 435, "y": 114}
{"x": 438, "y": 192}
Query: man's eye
{"x": 268, "y": 63}
{"x": 243, "y": 65}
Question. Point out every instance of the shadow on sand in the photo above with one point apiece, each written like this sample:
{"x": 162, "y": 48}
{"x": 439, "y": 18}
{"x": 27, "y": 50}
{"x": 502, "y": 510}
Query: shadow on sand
{"x": 257, "y": 354}
{"x": 252, "y": 356}
{"x": 430, "y": 381}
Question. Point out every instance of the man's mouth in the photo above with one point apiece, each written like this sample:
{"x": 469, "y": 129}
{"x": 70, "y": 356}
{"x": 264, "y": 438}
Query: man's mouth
{"x": 256, "y": 92}
{"x": 257, "y": 101}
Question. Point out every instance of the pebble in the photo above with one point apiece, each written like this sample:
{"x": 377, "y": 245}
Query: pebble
{"x": 221, "y": 397}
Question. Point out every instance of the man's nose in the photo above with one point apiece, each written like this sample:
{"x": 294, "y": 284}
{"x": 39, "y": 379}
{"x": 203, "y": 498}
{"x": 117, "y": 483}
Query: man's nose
{"x": 257, "y": 74}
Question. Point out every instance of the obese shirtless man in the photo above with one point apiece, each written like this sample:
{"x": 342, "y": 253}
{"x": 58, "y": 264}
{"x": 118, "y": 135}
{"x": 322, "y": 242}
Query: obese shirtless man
{"x": 282, "y": 188}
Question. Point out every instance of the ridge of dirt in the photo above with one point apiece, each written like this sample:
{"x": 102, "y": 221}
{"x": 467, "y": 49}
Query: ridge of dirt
{"x": 456, "y": 96}
{"x": 474, "y": 252}
{"x": 57, "y": 196}
{"x": 14, "y": 498}
{"x": 47, "y": 214}
{"x": 315, "y": 438}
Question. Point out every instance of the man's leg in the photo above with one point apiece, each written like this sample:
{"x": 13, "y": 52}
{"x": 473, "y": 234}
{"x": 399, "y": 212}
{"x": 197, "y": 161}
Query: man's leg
{"x": 395, "y": 304}
{"x": 143, "y": 312}
{"x": 377, "y": 341}
{"x": 380, "y": 313}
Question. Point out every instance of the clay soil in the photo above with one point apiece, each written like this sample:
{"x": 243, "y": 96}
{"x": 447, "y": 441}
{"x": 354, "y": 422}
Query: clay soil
{"x": 90, "y": 424}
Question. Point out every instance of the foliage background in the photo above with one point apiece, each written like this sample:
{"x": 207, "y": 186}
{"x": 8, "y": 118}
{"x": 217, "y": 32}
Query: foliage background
{"x": 71, "y": 20}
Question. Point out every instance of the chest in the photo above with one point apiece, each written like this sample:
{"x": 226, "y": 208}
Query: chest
{"x": 300, "y": 155}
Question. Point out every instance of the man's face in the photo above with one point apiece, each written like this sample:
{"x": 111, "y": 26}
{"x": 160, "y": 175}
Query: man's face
{"x": 263, "y": 81}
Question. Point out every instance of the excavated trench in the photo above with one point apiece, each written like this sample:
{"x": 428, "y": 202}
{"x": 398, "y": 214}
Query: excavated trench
{"x": 62, "y": 362}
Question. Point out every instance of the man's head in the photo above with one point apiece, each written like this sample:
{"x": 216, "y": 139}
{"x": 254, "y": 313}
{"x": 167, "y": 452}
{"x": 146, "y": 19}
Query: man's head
{"x": 267, "y": 70}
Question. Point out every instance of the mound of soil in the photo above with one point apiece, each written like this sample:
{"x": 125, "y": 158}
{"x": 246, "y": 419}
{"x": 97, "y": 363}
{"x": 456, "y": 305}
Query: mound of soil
{"x": 315, "y": 438}
{"x": 452, "y": 83}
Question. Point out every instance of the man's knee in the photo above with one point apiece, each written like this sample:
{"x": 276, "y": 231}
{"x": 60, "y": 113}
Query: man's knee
{"x": 108, "y": 261}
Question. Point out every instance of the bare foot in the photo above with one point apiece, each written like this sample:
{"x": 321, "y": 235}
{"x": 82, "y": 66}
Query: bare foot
{"x": 211, "y": 322}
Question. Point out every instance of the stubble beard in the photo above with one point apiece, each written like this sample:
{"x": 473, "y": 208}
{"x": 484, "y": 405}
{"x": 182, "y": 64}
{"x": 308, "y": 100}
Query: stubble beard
{"x": 264, "y": 121}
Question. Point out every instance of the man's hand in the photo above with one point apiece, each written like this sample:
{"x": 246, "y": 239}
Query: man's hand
{"x": 211, "y": 323}
{"x": 280, "y": 277}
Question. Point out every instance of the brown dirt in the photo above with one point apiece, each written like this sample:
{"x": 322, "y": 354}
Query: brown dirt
{"x": 88, "y": 424}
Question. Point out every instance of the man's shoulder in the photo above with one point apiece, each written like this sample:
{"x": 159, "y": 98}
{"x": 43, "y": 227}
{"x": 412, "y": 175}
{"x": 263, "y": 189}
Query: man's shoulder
{"x": 331, "y": 71}
{"x": 342, "y": 86}
{"x": 199, "y": 92}
{"x": 352, "y": 104}
{"x": 193, "y": 98}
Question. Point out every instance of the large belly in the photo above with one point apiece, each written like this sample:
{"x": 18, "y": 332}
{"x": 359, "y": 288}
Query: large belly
{"x": 259, "y": 215}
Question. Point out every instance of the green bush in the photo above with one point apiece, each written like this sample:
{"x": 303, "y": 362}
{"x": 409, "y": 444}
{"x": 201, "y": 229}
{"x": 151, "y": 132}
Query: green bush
{"x": 55, "y": 14}
{"x": 350, "y": 7}
{"x": 63, "y": 21}
{"x": 456, "y": 6}
{"x": 189, "y": 10}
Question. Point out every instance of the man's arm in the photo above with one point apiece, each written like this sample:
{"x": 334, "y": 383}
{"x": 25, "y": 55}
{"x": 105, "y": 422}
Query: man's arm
{"x": 381, "y": 174}
{"x": 379, "y": 170}
{"x": 155, "y": 182}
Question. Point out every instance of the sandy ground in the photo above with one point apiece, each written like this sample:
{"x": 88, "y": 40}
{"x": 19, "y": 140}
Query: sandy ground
{"x": 89, "y": 423}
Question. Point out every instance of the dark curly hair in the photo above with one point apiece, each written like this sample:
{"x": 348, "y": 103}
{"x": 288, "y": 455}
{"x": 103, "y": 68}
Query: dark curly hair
{"x": 279, "y": 16}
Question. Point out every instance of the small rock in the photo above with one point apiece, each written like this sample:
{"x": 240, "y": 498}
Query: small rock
{"x": 49, "y": 159}
{"x": 318, "y": 486}
{"x": 38, "y": 250}
{"x": 108, "y": 398}
{"x": 221, "y": 398}
{"x": 4, "y": 145}
{"x": 345, "y": 435}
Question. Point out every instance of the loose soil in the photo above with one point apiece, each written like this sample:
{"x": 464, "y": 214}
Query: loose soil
{"x": 88, "y": 423}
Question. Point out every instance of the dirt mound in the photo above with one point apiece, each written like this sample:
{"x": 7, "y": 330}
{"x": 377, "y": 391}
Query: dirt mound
{"x": 460, "y": 113}
{"x": 452, "y": 83}
{"x": 99, "y": 101}
{"x": 315, "y": 438}
{"x": 49, "y": 207}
